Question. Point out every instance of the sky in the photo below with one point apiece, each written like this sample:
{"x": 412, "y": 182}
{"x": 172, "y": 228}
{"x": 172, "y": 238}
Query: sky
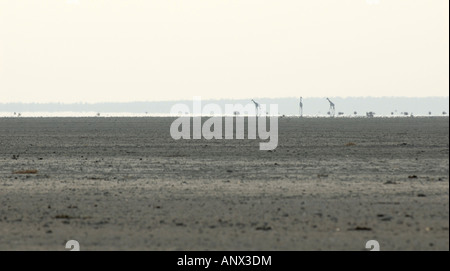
{"x": 136, "y": 50}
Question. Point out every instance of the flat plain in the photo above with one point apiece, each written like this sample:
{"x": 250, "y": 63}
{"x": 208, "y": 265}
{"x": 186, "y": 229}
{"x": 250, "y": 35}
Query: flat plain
{"x": 125, "y": 184}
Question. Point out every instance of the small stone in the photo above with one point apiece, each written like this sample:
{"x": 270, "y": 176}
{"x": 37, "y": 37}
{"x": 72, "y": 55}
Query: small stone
{"x": 265, "y": 227}
{"x": 358, "y": 228}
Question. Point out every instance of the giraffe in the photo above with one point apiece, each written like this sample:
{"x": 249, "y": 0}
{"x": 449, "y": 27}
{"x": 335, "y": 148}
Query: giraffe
{"x": 257, "y": 107}
{"x": 301, "y": 106}
{"x": 332, "y": 108}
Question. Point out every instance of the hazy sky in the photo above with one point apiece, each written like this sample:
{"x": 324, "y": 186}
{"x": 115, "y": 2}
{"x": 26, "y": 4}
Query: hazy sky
{"x": 139, "y": 50}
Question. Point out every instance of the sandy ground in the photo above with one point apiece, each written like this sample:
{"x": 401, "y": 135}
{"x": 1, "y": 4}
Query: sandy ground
{"x": 125, "y": 184}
